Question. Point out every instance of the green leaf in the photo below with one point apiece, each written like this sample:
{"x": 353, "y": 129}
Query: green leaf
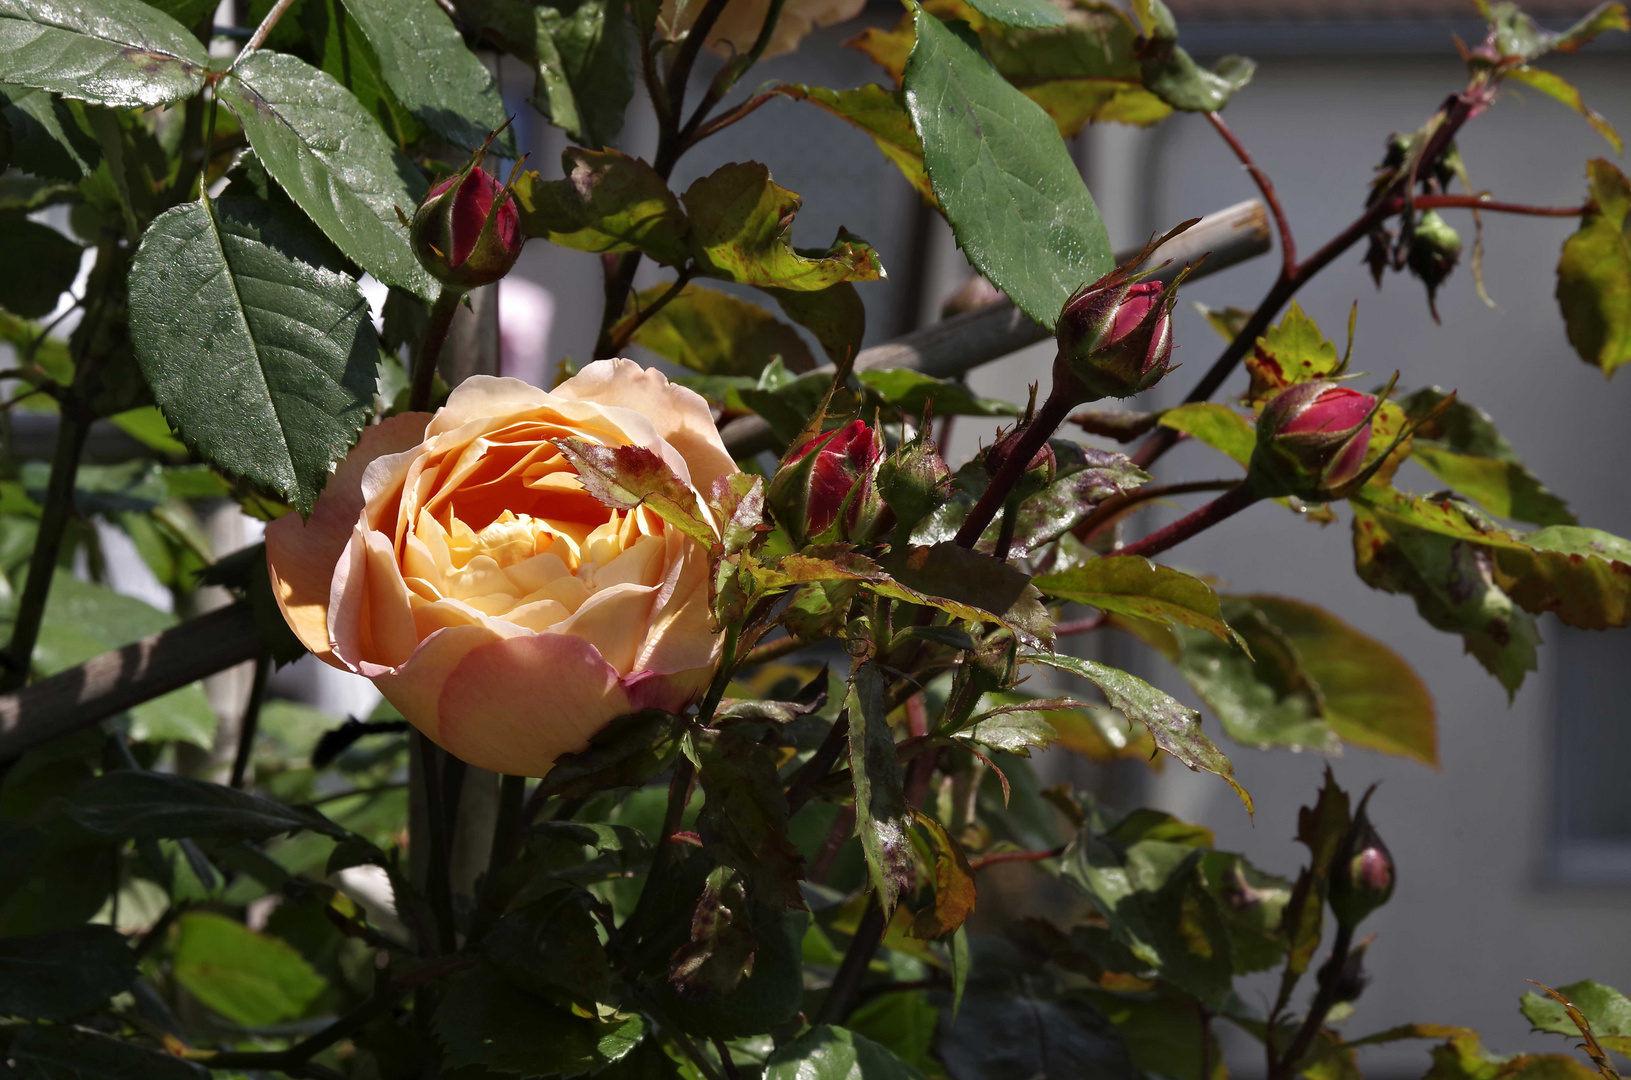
{"x": 1605, "y": 1009}
{"x": 66, "y": 1053}
{"x": 1022, "y": 14}
{"x": 743, "y": 822}
{"x": 1560, "y": 89}
{"x": 64, "y": 973}
{"x": 901, "y": 1022}
{"x": 741, "y": 225}
{"x": 1218, "y": 426}
{"x": 259, "y": 350}
{"x": 1465, "y": 1058}
{"x": 111, "y": 52}
{"x": 631, "y": 751}
{"x": 1293, "y": 352}
{"x": 159, "y": 806}
{"x": 579, "y": 50}
{"x": 835, "y": 1053}
{"x": 1132, "y": 585}
{"x": 718, "y": 334}
{"x": 1002, "y": 175}
{"x": 425, "y": 62}
{"x": 1462, "y": 447}
{"x": 551, "y": 948}
{"x": 1015, "y": 726}
{"x": 1172, "y": 75}
{"x": 333, "y": 160}
{"x": 483, "y": 1020}
{"x": 1252, "y": 905}
{"x": 52, "y": 260}
{"x": 879, "y": 112}
{"x": 340, "y": 48}
{"x": 605, "y": 202}
{"x": 1175, "y": 727}
{"x": 912, "y": 391}
{"x": 629, "y": 476}
{"x": 767, "y": 998}
{"x": 836, "y": 316}
{"x": 882, "y": 819}
{"x": 249, "y": 978}
{"x": 49, "y": 137}
{"x": 1594, "y": 273}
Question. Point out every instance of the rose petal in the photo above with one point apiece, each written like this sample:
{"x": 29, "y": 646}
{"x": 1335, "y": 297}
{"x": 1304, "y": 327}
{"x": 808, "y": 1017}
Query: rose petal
{"x": 301, "y": 556}
{"x": 515, "y": 706}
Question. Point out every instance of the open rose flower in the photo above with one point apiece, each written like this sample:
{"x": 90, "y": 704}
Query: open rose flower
{"x": 458, "y": 562}
{"x": 739, "y": 24}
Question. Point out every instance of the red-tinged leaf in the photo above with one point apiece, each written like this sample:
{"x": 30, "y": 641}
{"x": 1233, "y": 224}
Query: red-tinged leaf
{"x": 720, "y": 952}
{"x": 954, "y": 893}
{"x": 882, "y": 818}
{"x": 743, "y": 822}
{"x": 625, "y": 477}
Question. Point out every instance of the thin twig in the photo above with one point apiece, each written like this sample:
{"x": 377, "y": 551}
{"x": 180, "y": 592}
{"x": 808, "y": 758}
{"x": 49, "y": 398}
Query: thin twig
{"x": 1231, "y": 502}
{"x": 257, "y": 39}
{"x": 1288, "y": 246}
{"x": 1478, "y": 202}
{"x": 430, "y": 347}
{"x": 1324, "y": 1000}
{"x": 1015, "y": 856}
{"x": 1054, "y": 411}
{"x": 251, "y": 719}
{"x": 1113, "y": 508}
{"x": 623, "y": 331}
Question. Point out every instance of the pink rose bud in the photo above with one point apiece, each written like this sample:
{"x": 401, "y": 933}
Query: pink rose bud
{"x": 828, "y": 481}
{"x": 1312, "y": 439}
{"x": 1115, "y": 338}
{"x": 1362, "y": 878}
{"x": 467, "y": 231}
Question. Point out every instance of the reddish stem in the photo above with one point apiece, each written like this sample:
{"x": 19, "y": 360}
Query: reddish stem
{"x": 1080, "y": 626}
{"x": 1054, "y": 411}
{"x": 1015, "y": 856}
{"x": 1228, "y": 504}
{"x": 1478, "y": 202}
{"x": 1288, "y": 246}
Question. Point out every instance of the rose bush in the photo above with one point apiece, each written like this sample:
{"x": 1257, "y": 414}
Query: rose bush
{"x": 458, "y": 562}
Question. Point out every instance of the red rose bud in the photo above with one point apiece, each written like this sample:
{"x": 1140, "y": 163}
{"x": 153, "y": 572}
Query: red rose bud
{"x": 1362, "y": 879}
{"x": 467, "y": 232}
{"x": 1311, "y": 441}
{"x": 828, "y": 484}
{"x": 1115, "y": 338}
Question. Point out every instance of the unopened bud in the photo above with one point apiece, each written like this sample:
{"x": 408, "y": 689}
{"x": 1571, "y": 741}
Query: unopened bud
{"x": 1435, "y": 248}
{"x": 1350, "y": 980}
{"x": 1362, "y": 878}
{"x": 467, "y": 231}
{"x": 1115, "y": 338}
{"x": 830, "y": 481}
{"x": 1040, "y": 470}
{"x": 1311, "y": 441}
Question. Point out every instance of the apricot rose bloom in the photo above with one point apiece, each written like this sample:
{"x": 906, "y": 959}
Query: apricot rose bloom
{"x": 457, "y": 561}
{"x": 739, "y": 24}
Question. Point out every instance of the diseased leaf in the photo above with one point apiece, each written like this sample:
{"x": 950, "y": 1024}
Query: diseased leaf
{"x": 1603, "y": 1007}
{"x": 1175, "y": 727}
{"x": 259, "y": 349}
{"x": 1465, "y": 1058}
{"x": 333, "y": 160}
{"x": 766, "y": 998}
{"x": 1002, "y": 175}
{"x": 743, "y": 822}
{"x": 63, "y": 974}
{"x": 1017, "y": 724}
{"x": 629, "y": 476}
{"x": 483, "y": 1020}
{"x": 425, "y": 62}
{"x": 721, "y": 948}
{"x": 120, "y": 53}
{"x": 1594, "y": 272}
{"x": 1462, "y": 447}
{"x": 1132, "y": 585}
{"x": 716, "y": 333}
{"x": 1295, "y": 351}
{"x": 882, "y": 818}
{"x": 143, "y": 805}
{"x": 954, "y": 893}
{"x": 249, "y": 978}
{"x": 606, "y": 202}
{"x": 740, "y": 231}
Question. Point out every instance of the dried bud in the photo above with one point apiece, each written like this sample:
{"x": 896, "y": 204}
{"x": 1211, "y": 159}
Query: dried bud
{"x": 1435, "y": 248}
{"x": 830, "y": 481}
{"x": 1041, "y": 469}
{"x": 467, "y": 232}
{"x": 1115, "y": 338}
{"x": 1311, "y": 441}
{"x": 1362, "y": 878}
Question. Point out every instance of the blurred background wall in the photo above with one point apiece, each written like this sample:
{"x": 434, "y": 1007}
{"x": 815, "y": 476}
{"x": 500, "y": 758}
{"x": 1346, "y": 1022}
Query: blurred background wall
{"x": 1515, "y": 858}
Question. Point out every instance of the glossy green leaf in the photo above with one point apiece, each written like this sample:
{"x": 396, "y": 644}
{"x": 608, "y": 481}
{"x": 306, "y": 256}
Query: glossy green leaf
{"x": 1462, "y": 447}
{"x": 834, "y": 1053}
{"x": 741, "y": 226}
{"x": 882, "y": 819}
{"x": 902, "y": 1023}
{"x": 1002, "y": 175}
{"x": 1605, "y": 1009}
{"x": 1016, "y": 725}
{"x": 259, "y": 350}
{"x": 1172, "y": 75}
{"x": 144, "y": 805}
{"x": 606, "y": 202}
{"x": 1022, "y": 14}
{"x": 1218, "y": 426}
{"x": 880, "y": 113}
{"x": 581, "y": 54}
{"x": 111, "y": 52}
{"x": 52, "y": 260}
{"x": 49, "y": 137}
{"x": 1517, "y": 34}
{"x": 425, "y": 62}
{"x": 483, "y": 1020}
{"x": 912, "y": 393}
{"x": 716, "y": 333}
{"x": 67, "y": 1053}
{"x": 1560, "y": 89}
{"x": 249, "y": 978}
{"x": 340, "y": 48}
{"x": 1175, "y": 727}
{"x": 1132, "y": 585}
{"x": 63, "y": 974}
{"x": 333, "y": 160}
{"x": 1594, "y": 273}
